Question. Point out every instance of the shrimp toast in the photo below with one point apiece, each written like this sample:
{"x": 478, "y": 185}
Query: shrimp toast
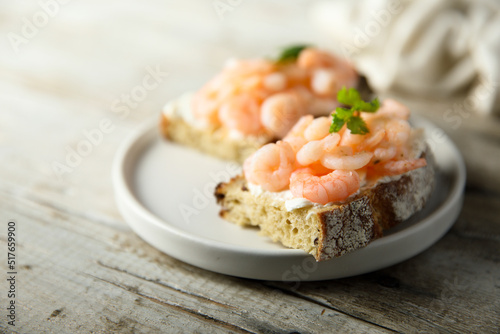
{"x": 335, "y": 229}
{"x": 257, "y": 101}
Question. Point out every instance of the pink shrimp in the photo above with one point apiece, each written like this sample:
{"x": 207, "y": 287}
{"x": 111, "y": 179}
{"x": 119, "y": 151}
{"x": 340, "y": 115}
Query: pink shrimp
{"x": 294, "y": 74}
{"x": 295, "y": 142}
{"x": 393, "y": 108}
{"x": 324, "y": 82}
{"x": 207, "y": 100}
{"x": 328, "y": 81}
{"x": 300, "y": 127}
{"x": 398, "y": 131}
{"x": 241, "y": 113}
{"x": 384, "y": 152}
{"x": 275, "y": 82}
{"x": 245, "y": 67}
{"x": 343, "y": 157}
{"x": 271, "y": 166}
{"x": 314, "y": 150}
{"x": 371, "y": 141}
{"x": 333, "y": 187}
{"x": 280, "y": 112}
{"x": 314, "y": 58}
{"x": 352, "y": 140}
{"x": 205, "y": 109}
{"x": 295, "y": 137}
{"x": 318, "y": 129}
{"x": 397, "y": 167}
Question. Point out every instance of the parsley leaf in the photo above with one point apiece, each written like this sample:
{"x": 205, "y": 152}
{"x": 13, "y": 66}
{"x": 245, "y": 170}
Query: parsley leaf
{"x": 351, "y": 116}
{"x": 349, "y": 97}
{"x": 367, "y": 106}
{"x": 344, "y": 113}
{"x": 291, "y": 53}
{"x": 357, "y": 126}
{"x": 337, "y": 124}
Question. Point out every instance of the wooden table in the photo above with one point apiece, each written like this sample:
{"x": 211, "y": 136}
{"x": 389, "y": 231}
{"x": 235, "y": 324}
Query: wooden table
{"x": 69, "y": 68}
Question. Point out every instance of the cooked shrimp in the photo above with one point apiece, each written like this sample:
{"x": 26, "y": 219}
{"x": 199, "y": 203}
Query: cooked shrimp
{"x": 295, "y": 142}
{"x": 394, "y": 108}
{"x": 275, "y": 81}
{"x": 328, "y": 81}
{"x": 226, "y": 91}
{"x": 318, "y": 129}
{"x": 324, "y": 82}
{"x": 245, "y": 67}
{"x": 352, "y": 140}
{"x": 205, "y": 109}
{"x": 371, "y": 141}
{"x": 333, "y": 187}
{"x": 295, "y": 137}
{"x": 271, "y": 166}
{"x": 344, "y": 158}
{"x": 314, "y": 150}
{"x": 241, "y": 113}
{"x": 310, "y": 152}
{"x": 384, "y": 152}
{"x": 318, "y": 169}
{"x": 303, "y": 95}
{"x": 300, "y": 127}
{"x": 251, "y": 83}
{"x": 294, "y": 74}
{"x": 280, "y": 112}
{"x": 396, "y": 167}
{"x": 314, "y": 58}
{"x": 398, "y": 131}
{"x": 330, "y": 142}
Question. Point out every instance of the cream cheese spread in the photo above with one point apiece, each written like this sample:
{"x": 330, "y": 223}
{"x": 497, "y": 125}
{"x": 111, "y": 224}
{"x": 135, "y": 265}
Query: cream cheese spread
{"x": 181, "y": 108}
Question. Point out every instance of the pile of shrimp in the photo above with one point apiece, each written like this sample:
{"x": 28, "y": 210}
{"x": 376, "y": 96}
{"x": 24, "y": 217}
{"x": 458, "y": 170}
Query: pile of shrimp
{"x": 259, "y": 96}
{"x": 324, "y": 168}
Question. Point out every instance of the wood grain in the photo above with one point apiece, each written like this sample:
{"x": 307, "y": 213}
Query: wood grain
{"x": 81, "y": 268}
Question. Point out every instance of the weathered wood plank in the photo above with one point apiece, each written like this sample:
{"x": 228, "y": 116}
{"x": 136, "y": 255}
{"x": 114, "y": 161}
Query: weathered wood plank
{"x": 81, "y": 276}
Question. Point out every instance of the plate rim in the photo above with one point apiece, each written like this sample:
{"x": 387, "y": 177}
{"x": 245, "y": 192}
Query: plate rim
{"x": 147, "y": 133}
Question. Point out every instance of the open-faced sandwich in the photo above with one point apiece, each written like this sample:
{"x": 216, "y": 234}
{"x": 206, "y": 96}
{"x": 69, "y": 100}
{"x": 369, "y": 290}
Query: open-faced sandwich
{"x": 253, "y": 102}
{"x": 333, "y": 184}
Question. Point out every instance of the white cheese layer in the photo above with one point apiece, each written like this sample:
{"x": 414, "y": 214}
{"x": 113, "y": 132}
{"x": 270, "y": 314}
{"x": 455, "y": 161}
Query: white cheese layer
{"x": 181, "y": 108}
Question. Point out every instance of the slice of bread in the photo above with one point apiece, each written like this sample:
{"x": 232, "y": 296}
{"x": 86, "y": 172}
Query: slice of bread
{"x": 334, "y": 229}
{"x": 177, "y": 124}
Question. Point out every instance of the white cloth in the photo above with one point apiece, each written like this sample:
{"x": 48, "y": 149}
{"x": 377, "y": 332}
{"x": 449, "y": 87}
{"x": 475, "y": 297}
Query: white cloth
{"x": 427, "y": 47}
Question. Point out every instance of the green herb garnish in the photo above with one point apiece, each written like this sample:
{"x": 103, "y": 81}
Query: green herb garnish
{"x": 351, "y": 116}
{"x": 291, "y": 53}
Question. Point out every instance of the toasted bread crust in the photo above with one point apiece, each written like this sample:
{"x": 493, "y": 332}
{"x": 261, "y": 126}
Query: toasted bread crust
{"x": 336, "y": 229}
{"x": 215, "y": 142}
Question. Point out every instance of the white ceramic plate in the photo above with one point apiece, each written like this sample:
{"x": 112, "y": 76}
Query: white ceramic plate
{"x": 165, "y": 193}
